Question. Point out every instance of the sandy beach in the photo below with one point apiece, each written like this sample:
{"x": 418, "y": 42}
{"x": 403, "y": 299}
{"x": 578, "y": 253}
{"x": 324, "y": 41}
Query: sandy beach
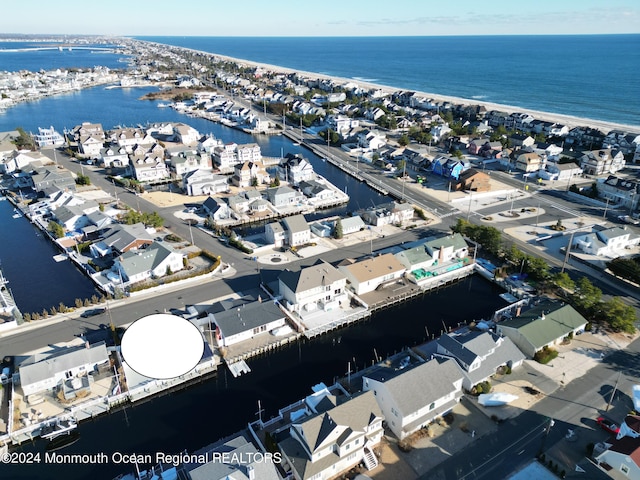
{"x": 570, "y": 121}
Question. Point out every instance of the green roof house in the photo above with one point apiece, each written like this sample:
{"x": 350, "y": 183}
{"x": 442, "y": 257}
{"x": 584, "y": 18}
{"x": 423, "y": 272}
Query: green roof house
{"x": 546, "y": 324}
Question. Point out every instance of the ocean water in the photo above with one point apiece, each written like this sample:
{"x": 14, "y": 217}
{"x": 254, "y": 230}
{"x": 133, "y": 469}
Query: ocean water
{"x": 591, "y": 76}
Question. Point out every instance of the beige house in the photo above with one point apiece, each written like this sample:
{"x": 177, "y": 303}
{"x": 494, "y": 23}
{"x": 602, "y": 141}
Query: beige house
{"x": 367, "y": 275}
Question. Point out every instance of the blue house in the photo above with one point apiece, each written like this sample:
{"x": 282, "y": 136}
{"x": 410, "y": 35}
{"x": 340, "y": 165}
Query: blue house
{"x": 449, "y": 167}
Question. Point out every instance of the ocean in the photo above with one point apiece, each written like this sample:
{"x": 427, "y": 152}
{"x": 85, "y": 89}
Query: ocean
{"x": 591, "y": 76}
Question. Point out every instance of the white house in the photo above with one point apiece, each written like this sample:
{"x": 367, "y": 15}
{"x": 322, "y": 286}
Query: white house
{"x": 606, "y": 242}
{"x": 621, "y": 192}
{"x": 297, "y": 230}
{"x": 619, "y": 456}
{"x": 411, "y": 399}
{"x": 204, "y": 182}
{"x": 352, "y": 224}
{"x": 186, "y": 134}
{"x": 149, "y": 169}
{"x": 155, "y": 261}
{"x": 367, "y": 275}
{"x": 371, "y": 140}
{"x": 295, "y": 169}
{"x": 275, "y": 233}
{"x": 448, "y": 248}
{"x": 246, "y": 322}
{"x": 599, "y": 162}
{"x": 318, "y": 287}
{"x": 46, "y": 371}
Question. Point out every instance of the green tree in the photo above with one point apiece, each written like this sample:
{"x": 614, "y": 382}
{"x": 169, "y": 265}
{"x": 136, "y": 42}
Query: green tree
{"x": 404, "y": 140}
{"x": 23, "y": 141}
{"x": 401, "y": 166}
{"x": 587, "y": 296}
{"x": 626, "y": 268}
{"x": 537, "y": 267}
{"x": 338, "y": 233}
{"x": 83, "y": 179}
{"x": 563, "y": 280}
{"x": 619, "y": 316}
{"x": 56, "y": 229}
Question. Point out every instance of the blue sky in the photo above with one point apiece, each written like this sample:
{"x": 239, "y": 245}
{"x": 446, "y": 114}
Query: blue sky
{"x": 325, "y": 18}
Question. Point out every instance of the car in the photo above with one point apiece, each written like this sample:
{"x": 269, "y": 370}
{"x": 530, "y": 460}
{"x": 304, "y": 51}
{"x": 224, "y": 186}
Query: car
{"x": 93, "y": 312}
{"x": 608, "y": 425}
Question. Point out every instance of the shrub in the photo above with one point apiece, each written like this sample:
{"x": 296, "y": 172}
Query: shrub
{"x": 545, "y": 355}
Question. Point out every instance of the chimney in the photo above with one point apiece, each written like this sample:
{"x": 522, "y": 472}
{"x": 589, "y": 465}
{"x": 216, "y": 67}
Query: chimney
{"x": 542, "y": 316}
{"x": 251, "y": 473}
{"x": 518, "y": 310}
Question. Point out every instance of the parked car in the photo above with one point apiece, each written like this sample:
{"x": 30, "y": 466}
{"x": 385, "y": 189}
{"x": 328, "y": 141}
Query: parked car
{"x": 93, "y": 312}
{"x": 608, "y": 425}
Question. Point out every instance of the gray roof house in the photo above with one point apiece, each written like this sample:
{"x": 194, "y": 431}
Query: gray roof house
{"x": 44, "y": 372}
{"x": 415, "y": 258}
{"x": 337, "y": 438}
{"x": 283, "y": 196}
{"x": 247, "y": 321}
{"x": 320, "y": 286}
{"x": 352, "y": 224}
{"x": 447, "y": 248}
{"x": 479, "y": 354}
{"x": 157, "y": 260}
{"x": 297, "y": 230}
{"x": 120, "y": 238}
{"x": 233, "y": 458}
{"x": 545, "y": 324}
{"x": 412, "y": 398}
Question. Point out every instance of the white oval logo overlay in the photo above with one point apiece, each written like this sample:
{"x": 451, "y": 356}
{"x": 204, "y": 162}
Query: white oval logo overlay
{"x": 162, "y": 346}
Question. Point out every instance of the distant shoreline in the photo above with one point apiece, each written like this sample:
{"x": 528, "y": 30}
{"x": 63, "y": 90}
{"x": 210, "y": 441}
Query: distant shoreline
{"x": 569, "y": 120}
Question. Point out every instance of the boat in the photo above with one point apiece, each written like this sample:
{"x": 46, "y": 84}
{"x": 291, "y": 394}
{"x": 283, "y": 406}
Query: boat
{"x": 496, "y": 399}
{"x": 58, "y": 428}
{"x": 280, "y": 331}
{"x": 62, "y": 441}
{"x": 163, "y": 105}
{"x": 636, "y": 397}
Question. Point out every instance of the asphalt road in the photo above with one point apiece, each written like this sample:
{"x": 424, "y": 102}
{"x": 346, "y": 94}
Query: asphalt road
{"x": 574, "y": 406}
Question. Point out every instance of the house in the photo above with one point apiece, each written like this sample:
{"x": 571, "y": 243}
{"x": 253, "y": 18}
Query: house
{"x": 415, "y": 258}
{"x": 90, "y": 146}
{"x": 155, "y": 261}
{"x": 225, "y": 157}
{"x": 51, "y": 178}
{"x": 518, "y": 141}
{"x": 48, "y": 137}
{"x": 204, "y": 182}
{"x": 561, "y": 172}
{"x": 238, "y": 203}
{"x": 295, "y": 169}
{"x": 449, "y": 167}
{"x": 127, "y": 138}
{"x": 74, "y": 217}
{"x": 114, "y": 157}
{"x": 246, "y": 322}
{"x": 315, "y": 189}
{"x": 318, "y": 287}
{"x": 297, "y": 230}
{"x": 216, "y": 209}
{"x": 275, "y": 234}
{"x": 333, "y": 437}
{"x": 369, "y": 274}
{"x": 388, "y": 213}
{"x": 371, "y": 140}
{"x": 187, "y": 161}
{"x": 476, "y": 145}
{"x": 283, "y": 196}
{"x": 185, "y": 134}
{"x": 600, "y": 162}
{"x": 605, "y": 242}
{"x": 410, "y": 399}
{"x": 235, "y": 457}
{"x": 543, "y": 325}
{"x": 619, "y": 456}
{"x": 120, "y": 238}
{"x": 621, "y": 192}
{"x": 529, "y": 162}
{"x": 149, "y": 169}
{"x": 45, "y": 372}
{"x": 474, "y": 181}
{"x": 352, "y": 224}
{"x": 438, "y": 132}
{"x": 22, "y": 160}
{"x": 479, "y": 354}
{"x": 247, "y": 174}
{"x": 448, "y": 248}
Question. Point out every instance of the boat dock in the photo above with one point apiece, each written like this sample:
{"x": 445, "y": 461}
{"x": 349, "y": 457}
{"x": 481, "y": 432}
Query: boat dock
{"x": 238, "y": 368}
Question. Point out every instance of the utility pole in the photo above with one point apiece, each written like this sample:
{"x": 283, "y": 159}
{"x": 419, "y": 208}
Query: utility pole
{"x": 566, "y": 257}
{"x": 469, "y": 211}
{"x": 613, "y": 394}
{"x": 604, "y": 215}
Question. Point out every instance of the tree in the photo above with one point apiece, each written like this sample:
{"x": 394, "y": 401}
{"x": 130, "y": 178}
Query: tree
{"x": 587, "y": 296}
{"x": 563, "y": 280}
{"x": 337, "y": 233}
{"x": 626, "y": 268}
{"x": 23, "y": 141}
{"x": 404, "y": 140}
{"x": 56, "y": 229}
{"x": 537, "y": 267}
{"x": 83, "y": 179}
{"x": 619, "y": 316}
{"x": 401, "y": 166}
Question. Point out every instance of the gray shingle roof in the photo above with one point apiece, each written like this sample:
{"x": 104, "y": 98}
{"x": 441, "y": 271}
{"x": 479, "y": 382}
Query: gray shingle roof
{"x": 311, "y": 277}
{"x": 296, "y": 223}
{"x": 247, "y": 317}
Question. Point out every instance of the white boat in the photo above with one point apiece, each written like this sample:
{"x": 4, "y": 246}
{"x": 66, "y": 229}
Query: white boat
{"x": 636, "y": 397}
{"x": 496, "y": 399}
{"x": 163, "y": 105}
{"x": 57, "y": 428}
{"x": 280, "y": 331}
